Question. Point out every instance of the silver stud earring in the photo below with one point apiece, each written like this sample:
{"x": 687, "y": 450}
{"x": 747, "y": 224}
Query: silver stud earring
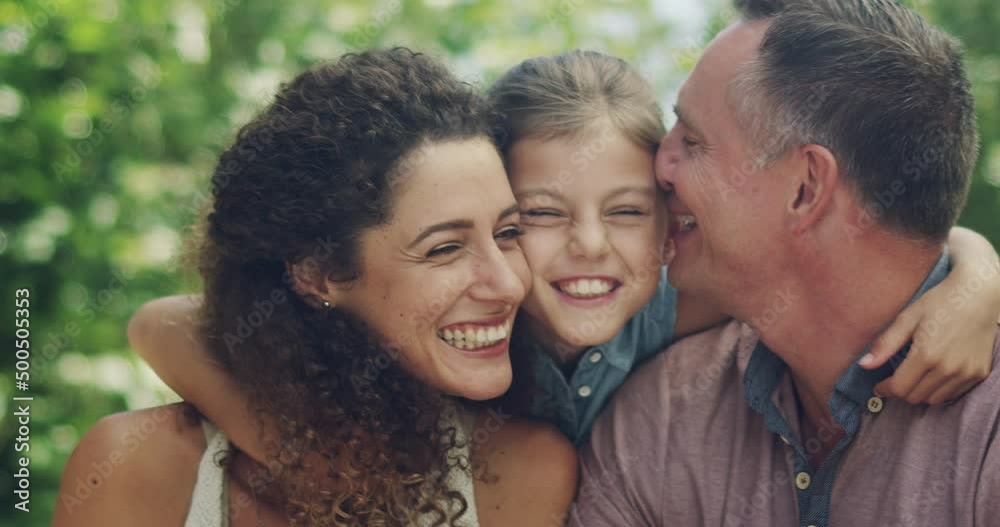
{"x": 326, "y": 304}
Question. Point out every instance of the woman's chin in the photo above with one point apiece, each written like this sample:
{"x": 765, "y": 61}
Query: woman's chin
{"x": 479, "y": 387}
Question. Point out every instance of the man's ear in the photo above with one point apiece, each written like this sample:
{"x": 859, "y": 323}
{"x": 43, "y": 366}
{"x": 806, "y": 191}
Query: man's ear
{"x": 813, "y": 187}
{"x": 312, "y": 284}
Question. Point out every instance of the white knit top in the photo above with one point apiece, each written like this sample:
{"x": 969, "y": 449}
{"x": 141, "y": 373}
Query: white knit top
{"x": 210, "y": 498}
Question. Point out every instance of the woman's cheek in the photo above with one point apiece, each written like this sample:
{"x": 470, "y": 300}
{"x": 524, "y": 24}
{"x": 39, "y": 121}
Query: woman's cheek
{"x": 518, "y": 262}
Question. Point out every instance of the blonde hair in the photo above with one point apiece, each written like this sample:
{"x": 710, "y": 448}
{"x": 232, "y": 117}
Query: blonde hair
{"x": 574, "y": 93}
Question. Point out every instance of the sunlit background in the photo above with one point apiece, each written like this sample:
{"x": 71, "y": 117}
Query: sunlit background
{"x": 112, "y": 114}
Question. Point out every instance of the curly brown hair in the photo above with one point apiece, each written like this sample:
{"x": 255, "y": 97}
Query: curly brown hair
{"x": 316, "y": 169}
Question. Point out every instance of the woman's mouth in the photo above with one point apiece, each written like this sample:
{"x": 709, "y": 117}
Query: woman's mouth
{"x": 474, "y": 337}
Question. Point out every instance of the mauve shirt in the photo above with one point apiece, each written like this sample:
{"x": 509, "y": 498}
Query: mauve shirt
{"x": 680, "y": 445}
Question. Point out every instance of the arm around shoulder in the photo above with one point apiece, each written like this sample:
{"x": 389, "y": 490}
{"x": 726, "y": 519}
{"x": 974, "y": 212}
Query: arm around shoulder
{"x": 164, "y": 333}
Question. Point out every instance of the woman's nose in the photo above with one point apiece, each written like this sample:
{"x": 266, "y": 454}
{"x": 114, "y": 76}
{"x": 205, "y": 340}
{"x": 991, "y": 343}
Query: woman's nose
{"x": 498, "y": 280}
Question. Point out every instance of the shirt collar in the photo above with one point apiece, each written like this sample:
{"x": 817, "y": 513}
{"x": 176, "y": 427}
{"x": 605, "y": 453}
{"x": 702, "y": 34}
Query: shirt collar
{"x": 766, "y": 369}
{"x": 621, "y": 351}
{"x": 614, "y": 353}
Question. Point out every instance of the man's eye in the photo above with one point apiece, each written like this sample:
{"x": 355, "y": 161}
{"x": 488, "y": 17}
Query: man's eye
{"x": 688, "y": 142}
{"x": 443, "y": 250}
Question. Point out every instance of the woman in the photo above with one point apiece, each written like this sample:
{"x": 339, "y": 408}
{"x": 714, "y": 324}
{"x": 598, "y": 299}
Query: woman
{"x": 339, "y": 270}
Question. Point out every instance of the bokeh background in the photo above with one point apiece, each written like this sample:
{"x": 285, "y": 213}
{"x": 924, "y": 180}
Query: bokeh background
{"x": 112, "y": 113}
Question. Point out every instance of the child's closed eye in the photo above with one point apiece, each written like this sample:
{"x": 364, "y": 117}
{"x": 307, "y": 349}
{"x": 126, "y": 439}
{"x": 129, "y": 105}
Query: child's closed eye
{"x": 629, "y": 212}
{"x": 541, "y": 213}
{"x": 544, "y": 217}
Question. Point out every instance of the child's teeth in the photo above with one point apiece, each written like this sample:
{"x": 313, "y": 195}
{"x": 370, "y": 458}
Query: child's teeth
{"x": 585, "y": 288}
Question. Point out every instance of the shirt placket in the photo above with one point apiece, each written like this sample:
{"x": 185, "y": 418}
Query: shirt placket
{"x": 583, "y": 386}
{"x": 814, "y": 488}
{"x": 553, "y": 397}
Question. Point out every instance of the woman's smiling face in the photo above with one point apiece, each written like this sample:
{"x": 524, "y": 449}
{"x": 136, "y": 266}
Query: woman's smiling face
{"x": 442, "y": 280}
{"x": 595, "y": 227}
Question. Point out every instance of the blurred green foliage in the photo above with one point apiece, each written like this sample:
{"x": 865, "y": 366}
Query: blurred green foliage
{"x": 112, "y": 114}
{"x": 976, "y": 22}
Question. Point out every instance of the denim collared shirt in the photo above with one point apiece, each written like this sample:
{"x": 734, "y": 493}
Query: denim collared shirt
{"x": 853, "y": 394}
{"x": 573, "y": 404}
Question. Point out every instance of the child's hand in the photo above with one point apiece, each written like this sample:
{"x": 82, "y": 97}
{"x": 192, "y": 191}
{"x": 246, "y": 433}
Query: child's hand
{"x": 945, "y": 361}
{"x": 953, "y": 328}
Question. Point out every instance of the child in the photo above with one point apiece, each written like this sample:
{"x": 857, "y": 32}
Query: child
{"x": 581, "y": 130}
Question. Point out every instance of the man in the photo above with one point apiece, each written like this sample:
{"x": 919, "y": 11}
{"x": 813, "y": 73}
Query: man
{"x": 823, "y": 150}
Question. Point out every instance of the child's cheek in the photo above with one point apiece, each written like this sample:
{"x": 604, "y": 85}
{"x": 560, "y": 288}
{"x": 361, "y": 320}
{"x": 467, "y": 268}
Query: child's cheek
{"x": 537, "y": 245}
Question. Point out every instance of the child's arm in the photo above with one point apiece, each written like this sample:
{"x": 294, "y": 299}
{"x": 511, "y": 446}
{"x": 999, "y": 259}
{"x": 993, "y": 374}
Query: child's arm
{"x": 953, "y": 328}
{"x": 163, "y": 333}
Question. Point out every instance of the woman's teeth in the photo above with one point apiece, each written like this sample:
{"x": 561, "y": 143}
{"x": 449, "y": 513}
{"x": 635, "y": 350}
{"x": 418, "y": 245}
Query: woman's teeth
{"x": 472, "y": 338}
{"x": 686, "y": 223}
{"x": 586, "y": 288}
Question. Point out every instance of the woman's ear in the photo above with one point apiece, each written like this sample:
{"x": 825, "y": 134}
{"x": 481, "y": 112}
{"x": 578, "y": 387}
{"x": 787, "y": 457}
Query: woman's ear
{"x": 311, "y": 284}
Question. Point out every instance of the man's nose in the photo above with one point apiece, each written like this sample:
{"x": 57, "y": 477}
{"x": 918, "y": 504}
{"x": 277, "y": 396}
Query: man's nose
{"x": 666, "y": 164}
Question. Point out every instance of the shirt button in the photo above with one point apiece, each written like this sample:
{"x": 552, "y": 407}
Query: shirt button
{"x": 595, "y": 356}
{"x": 584, "y": 391}
{"x": 875, "y": 405}
{"x": 802, "y": 481}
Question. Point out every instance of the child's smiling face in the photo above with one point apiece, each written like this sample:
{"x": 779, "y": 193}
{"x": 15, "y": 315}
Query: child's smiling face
{"x": 595, "y": 226}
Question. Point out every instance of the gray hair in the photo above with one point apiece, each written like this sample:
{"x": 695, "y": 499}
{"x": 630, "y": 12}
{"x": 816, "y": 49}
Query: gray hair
{"x": 873, "y": 82}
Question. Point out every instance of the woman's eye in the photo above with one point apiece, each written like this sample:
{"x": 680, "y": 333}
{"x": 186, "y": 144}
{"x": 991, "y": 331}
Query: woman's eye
{"x": 443, "y": 250}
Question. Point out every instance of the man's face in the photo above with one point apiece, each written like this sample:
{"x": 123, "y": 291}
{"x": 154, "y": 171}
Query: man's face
{"x": 729, "y": 214}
